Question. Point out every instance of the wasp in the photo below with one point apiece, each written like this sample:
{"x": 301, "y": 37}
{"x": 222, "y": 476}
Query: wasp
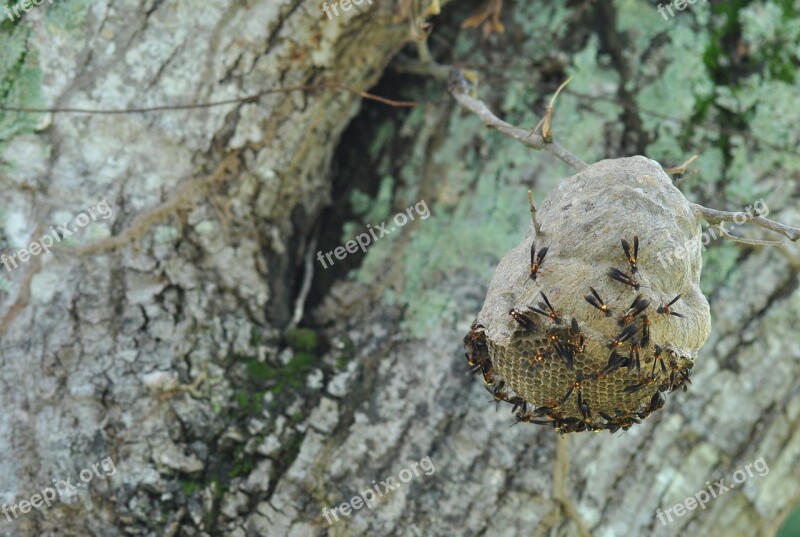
{"x": 667, "y": 310}
{"x": 656, "y": 402}
{"x": 478, "y": 363}
{"x": 583, "y": 406}
{"x": 481, "y": 363}
{"x": 597, "y": 302}
{"x": 498, "y": 392}
{"x": 488, "y": 377}
{"x": 627, "y": 249}
{"x": 615, "y": 361}
{"x": 612, "y": 427}
{"x": 606, "y": 417}
{"x": 569, "y": 425}
{"x": 645, "y": 331}
{"x": 565, "y": 353}
{"x": 620, "y": 420}
{"x": 633, "y": 358}
{"x": 638, "y": 305}
{"x": 657, "y": 358}
{"x": 537, "y": 358}
{"x": 577, "y": 340}
{"x": 528, "y": 418}
{"x": 477, "y": 352}
{"x": 536, "y": 260}
{"x": 546, "y": 305}
{"x": 542, "y": 411}
{"x": 626, "y": 421}
{"x": 616, "y": 274}
{"x": 476, "y": 338}
{"x": 473, "y": 367}
{"x": 633, "y": 388}
{"x": 552, "y": 336}
{"x": 679, "y": 376}
{"x": 627, "y": 333}
{"x": 526, "y": 322}
{"x": 499, "y": 389}
{"x": 574, "y": 386}
{"x": 476, "y": 347}
{"x": 520, "y": 403}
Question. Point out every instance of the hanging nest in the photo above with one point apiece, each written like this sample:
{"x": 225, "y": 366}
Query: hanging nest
{"x": 587, "y": 324}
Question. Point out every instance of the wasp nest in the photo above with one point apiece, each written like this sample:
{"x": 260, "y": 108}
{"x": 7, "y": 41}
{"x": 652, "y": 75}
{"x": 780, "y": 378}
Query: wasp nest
{"x": 584, "y": 326}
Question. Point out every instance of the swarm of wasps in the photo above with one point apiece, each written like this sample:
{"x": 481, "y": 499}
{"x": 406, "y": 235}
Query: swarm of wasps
{"x": 596, "y": 397}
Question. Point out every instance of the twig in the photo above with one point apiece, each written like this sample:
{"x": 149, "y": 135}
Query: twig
{"x": 24, "y": 289}
{"x": 547, "y": 133}
{"x": 536, "y": 226}
{"x": 458, "y": 88}
{"x": 299, "y": 304}
{"x": 752, "y": 242}
{"x": 184, "y": 197}
{"x": 714, "y": 217}
{"x": 239, "y": 100}
{"x": 560, "y": 474}
{"x": 680, "y": 170}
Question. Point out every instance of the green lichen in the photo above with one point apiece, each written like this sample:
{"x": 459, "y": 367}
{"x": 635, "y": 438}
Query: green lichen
{"x": 68, "y": 16}
{"x": 719, "y": 262}
{"x": 20, "y": 82}
{"x": 348, "y": 349}
{"x": 20, "y": 73}
{"x": 189, "y": 488}
{"x": 243, "y": 462}
{"x": 369, "y": 208}
{"x": 302, "y": 339}
{"x": 259, "y": 371}
{"x": 290, "y": 452}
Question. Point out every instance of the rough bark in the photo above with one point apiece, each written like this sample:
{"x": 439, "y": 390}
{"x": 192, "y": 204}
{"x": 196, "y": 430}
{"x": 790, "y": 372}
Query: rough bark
{"x": 157, "y": 337}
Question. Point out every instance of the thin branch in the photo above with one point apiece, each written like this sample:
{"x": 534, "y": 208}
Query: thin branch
{"x": 680, "y": 170}
{"x": 308, "y": 276}
{"x": 184, "y": 197}
{"x": 409, "y": 66}
{"x": 24, "y": 289}
{"x": 547, "y": 132}
{"x": 560, "y": 475}
{"x": 714, "y": 217}
{"x": 239, "y": 100}
{"x": 752, "y": 242}
{"x": 459, "y": 88}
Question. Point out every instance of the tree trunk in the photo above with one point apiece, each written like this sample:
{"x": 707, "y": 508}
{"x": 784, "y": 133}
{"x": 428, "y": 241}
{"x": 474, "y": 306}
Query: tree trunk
{"x": 240, "y": 386}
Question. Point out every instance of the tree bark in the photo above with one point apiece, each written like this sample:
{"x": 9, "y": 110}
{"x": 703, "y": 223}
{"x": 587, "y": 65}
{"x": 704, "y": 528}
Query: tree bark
{"x": 164, "y": 337}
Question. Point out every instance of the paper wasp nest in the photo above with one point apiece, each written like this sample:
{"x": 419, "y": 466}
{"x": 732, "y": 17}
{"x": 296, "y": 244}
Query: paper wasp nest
{"x": 601, "y": 354}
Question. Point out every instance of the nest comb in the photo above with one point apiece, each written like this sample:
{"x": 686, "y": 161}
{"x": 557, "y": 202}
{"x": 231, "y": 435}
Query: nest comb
{"x": 584, "y": 326}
